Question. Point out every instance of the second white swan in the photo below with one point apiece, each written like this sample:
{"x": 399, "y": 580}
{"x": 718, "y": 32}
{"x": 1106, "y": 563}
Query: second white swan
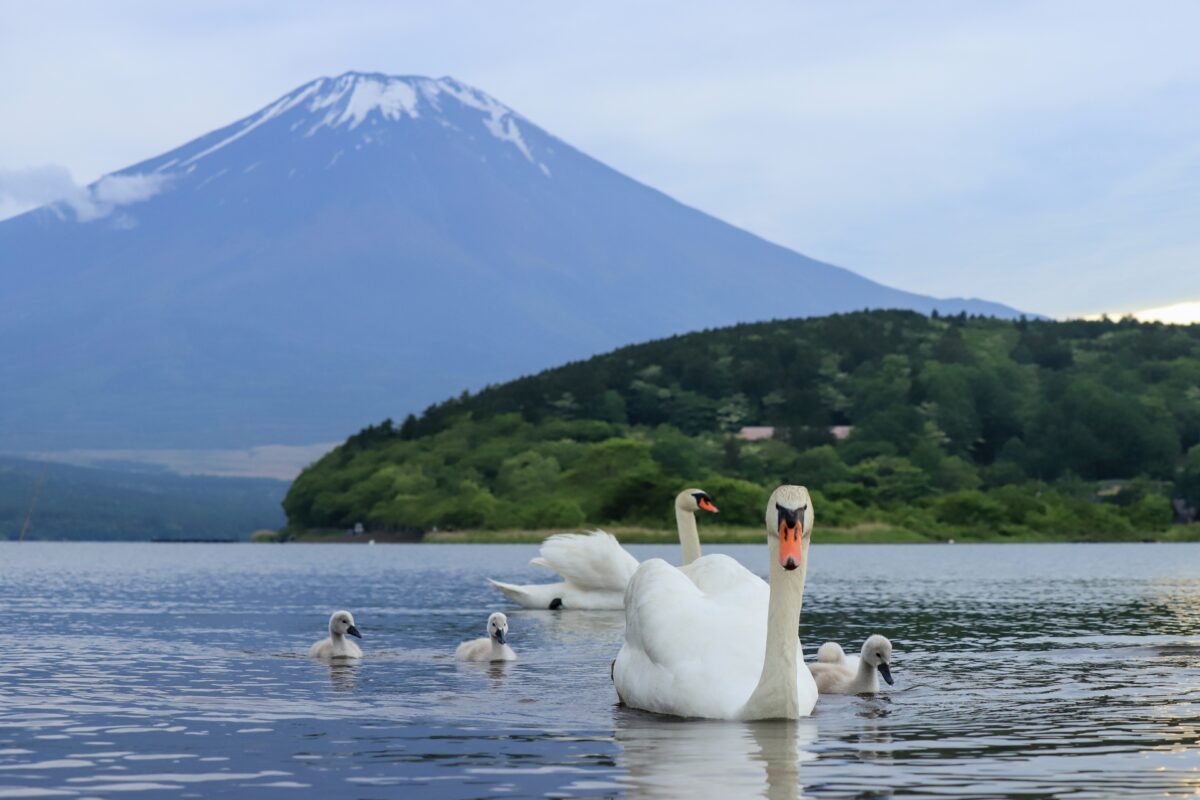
{"x": 595, "y": 568}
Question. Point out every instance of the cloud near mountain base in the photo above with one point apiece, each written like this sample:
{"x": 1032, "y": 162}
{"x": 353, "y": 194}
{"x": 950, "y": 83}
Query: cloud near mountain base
{"x": 50, "y": 184}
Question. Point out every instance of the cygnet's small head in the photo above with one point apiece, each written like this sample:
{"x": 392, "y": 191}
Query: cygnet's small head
{"x": 694, "y": 500}
{"x": 877, "y": 651}
{"x": 498, "y": 627}
{"x": 342, "y": 623}
{"x": 789, "y": 522}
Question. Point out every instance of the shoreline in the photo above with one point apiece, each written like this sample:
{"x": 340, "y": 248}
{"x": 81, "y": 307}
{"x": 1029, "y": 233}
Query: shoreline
{"x": 872, "y": 533}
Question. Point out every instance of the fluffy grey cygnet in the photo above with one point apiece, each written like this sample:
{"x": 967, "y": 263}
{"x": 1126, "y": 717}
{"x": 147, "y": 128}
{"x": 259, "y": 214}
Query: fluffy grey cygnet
{"x": 337, "y": 645}
{"x": 494, "y": 647}
{"x": 837, "y": 673}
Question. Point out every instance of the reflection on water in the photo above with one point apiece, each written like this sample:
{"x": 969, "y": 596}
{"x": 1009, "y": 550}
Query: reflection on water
{"x": 343, "y": 675}
{"x": 670, "y": 758}
{"x": 179, "y": 670}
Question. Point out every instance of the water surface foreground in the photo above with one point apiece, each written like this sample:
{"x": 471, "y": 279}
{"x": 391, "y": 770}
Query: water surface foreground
{"x": 158, "y": 670}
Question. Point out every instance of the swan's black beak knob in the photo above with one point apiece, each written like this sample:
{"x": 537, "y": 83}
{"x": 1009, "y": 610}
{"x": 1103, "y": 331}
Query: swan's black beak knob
{"x": 353, "y": 631}
{"x": 500, "y": 637}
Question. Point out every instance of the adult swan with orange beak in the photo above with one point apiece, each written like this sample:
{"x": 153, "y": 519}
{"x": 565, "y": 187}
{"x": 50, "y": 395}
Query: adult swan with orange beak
{"x": 712, "y": 640}
{"x": 595, "y": 568}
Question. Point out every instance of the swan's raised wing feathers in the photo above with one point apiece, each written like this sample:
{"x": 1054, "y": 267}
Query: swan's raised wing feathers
{"x": 591, "y": 561}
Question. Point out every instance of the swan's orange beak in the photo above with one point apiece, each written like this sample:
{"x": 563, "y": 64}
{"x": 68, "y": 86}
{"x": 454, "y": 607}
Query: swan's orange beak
{"x": 791, "y": 539}
{"x": 706, "y": 505}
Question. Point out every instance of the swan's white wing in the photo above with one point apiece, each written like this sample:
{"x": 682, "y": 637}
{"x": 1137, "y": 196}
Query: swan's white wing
{"x": 533, "y": 595}
{"x": 590, "y": 561}
{"x": 561, "y": 595}
{"x": 722, "y": 575}
{"x": 688, "y": 651}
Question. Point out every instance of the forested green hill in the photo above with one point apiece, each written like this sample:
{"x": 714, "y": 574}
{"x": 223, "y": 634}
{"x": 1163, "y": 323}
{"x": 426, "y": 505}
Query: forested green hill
{"x": 954, "y": 425}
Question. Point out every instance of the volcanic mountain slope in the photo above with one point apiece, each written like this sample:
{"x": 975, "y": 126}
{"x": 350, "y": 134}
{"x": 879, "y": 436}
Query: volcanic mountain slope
{"x": 357, "y": 249}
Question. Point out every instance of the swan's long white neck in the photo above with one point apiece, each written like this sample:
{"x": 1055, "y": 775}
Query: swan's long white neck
{"x": 689, "y": 537}
{"x": 866, "y": 677}
{"x": 776, "y": 696}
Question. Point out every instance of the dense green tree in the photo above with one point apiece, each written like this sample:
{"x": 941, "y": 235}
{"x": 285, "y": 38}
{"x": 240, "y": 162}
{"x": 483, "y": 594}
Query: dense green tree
{"x": 969, "y": 422}
{"x": 1189, "y": 478}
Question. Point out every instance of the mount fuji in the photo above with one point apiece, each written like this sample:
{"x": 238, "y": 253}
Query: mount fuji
{"x": 359, "y": 248}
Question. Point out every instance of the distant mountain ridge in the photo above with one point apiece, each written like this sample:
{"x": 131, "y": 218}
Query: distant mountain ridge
{"x": 127, "y": 502}
{"x": 359, "y": 248}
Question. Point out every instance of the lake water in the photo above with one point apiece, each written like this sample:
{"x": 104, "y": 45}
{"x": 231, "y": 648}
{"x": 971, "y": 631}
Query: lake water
{"x": 180, "y": 671}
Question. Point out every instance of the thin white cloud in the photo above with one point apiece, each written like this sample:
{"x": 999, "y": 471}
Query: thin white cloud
{"x": 1177, "y": 314}
{"x": 52, "y": 185}
{"x": 1187, "y": 313}
{"x": 122, "y": 190}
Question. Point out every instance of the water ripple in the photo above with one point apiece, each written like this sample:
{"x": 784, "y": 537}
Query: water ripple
{"x": 1041, "y": 671}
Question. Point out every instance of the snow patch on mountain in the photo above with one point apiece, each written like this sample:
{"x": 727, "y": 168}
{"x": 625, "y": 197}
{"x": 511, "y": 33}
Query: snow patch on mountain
{"x": 501, "y": 120}
{"x": 258, "y": 120}
{"x": 393, "y": 99}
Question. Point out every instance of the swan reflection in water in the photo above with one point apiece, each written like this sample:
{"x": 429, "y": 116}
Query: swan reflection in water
{"x": 586, "y": 626}
{"x": 874, "y": 739}
{"x": 343, "y": 674}
{"x": 496, "y": 671}
{"x": 669, "y": 758}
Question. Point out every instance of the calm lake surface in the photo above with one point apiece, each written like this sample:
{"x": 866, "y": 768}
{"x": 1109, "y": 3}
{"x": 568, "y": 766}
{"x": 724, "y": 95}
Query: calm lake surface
{"x": 180, "y": 671}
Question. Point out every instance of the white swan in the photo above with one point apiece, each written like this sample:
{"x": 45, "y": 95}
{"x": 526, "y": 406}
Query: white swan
{"x": 699, "y": 642}
{"x": 337, "y": 645}
{"x": 837, "y": 673}
{"x": 595, "y": 568}
{"x": 493, "y": 647}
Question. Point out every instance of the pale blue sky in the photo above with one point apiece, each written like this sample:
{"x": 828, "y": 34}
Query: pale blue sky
{"x": 1046, "y": 155}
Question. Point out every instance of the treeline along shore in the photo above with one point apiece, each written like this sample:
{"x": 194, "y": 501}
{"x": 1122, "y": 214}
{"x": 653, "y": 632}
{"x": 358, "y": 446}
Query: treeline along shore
{"x": 904, "y": 427}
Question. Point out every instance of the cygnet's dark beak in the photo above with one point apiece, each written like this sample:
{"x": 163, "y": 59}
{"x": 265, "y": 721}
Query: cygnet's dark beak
{"x": 886, "y": 672}
{"x": 353, "y": 631}
{"x": 500, "y": 637}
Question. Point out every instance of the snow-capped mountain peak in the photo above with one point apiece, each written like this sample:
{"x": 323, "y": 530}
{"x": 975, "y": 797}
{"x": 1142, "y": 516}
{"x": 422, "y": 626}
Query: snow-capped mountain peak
{"x": 353, "y": 100}
{"x": 359, "y": 248}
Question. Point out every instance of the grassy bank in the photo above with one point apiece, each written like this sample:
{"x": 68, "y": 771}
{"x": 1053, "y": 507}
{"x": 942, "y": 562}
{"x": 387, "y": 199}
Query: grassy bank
{"x": 870, "y": 533}
{"x": 317, "y": 536}
{"x": 865, "y": 534}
